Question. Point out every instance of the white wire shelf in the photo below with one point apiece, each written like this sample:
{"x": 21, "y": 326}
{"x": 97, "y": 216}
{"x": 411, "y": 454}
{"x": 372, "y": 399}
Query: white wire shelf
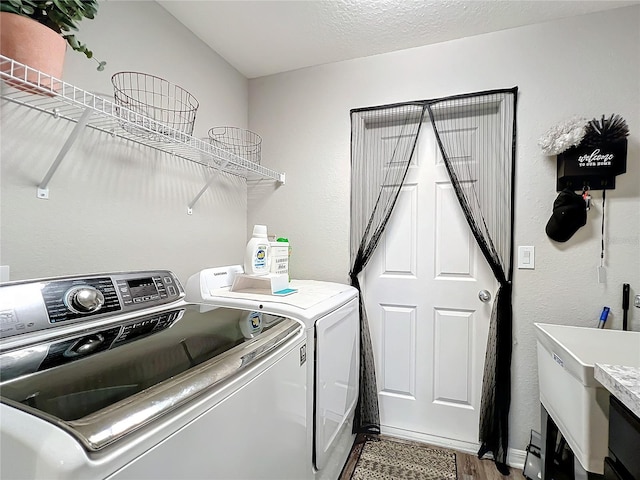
{"x": 62, "y": 100}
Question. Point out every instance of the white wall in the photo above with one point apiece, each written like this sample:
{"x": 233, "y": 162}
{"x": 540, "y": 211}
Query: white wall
{"x": 115, "y": 205}
{"x": 586, "y": 65}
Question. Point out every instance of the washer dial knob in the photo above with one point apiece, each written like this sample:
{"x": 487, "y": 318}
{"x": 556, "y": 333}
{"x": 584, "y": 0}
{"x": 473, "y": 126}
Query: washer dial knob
{"x": 85, "y": 299}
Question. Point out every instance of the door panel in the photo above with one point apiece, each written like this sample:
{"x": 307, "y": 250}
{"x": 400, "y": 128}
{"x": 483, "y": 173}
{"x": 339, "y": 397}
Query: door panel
{"x": 455, "y": 245}
{"x": 399, "y": 364}
{"x": 400, "y": 248}
{"x": 451, "y": 356}
{"x": 428, "y": 327}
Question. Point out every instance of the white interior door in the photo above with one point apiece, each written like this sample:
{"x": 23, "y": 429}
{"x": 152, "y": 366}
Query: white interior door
{"x": 429, "y": 328}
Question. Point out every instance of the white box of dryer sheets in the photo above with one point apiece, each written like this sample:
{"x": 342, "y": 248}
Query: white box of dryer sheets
{"x": 279, "y": 254}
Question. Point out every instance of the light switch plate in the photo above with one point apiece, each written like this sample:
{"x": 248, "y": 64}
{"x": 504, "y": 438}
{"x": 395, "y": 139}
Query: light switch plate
{"x": 526, "y": 257}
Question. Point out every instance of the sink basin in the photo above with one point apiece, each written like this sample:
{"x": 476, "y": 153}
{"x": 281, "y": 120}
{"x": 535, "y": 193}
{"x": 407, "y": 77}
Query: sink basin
{"x": 575, "y": 400}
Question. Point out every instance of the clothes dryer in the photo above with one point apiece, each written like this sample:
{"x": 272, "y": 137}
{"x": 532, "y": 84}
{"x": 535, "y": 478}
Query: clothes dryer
{"x": 330, "y": 314}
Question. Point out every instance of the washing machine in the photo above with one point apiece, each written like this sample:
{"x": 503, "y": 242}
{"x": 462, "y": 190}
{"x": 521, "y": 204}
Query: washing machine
{"x": 330, "y": 315}
{"x": 116, "y": 376}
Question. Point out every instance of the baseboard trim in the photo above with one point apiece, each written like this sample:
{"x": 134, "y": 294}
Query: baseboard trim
{"x": 515, "y": 458}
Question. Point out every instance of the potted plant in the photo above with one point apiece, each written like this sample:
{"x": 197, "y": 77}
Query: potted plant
{"x": 36, "y": 32}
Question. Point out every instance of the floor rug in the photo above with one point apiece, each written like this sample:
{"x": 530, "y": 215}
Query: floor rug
{"x": 382, "y": 459}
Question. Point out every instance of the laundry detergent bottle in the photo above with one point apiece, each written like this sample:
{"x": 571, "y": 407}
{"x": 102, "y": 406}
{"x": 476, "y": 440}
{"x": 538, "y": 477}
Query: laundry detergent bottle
{"x": 256, "y": 257}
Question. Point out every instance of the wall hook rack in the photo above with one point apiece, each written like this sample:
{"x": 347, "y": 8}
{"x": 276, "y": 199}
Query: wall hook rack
{"x": 593, "y": 167}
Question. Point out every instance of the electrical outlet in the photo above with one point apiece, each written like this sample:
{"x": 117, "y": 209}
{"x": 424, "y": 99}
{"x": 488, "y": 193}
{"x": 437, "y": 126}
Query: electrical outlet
{"x": 636, "y": 301}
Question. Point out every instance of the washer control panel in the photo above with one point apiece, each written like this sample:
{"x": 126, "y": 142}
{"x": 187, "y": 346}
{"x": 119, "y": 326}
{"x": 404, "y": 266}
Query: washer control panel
{"x": 83, "y": 297}
{"x": 41, "y": 304}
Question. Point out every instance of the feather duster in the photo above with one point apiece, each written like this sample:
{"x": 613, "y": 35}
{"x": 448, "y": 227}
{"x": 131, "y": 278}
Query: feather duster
{"x": 563, "y": 136}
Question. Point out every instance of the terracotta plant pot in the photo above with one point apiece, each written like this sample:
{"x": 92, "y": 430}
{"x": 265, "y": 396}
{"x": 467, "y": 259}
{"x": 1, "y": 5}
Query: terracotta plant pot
{"x": 33, "y": 44}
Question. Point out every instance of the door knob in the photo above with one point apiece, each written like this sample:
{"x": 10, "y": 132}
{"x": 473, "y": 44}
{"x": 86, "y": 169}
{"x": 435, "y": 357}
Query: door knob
{"x": 484, "y": 296}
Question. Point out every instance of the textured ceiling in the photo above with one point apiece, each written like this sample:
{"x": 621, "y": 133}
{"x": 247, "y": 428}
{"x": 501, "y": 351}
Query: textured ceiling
{"x": 264, "y": 37}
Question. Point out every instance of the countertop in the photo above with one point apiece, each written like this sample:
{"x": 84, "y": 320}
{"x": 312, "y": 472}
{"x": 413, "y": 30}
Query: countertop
{"x": 623, "y": 383}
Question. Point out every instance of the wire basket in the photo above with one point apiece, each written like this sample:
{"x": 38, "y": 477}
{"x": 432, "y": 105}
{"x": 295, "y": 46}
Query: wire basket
{"x": 150, "y": 97}
{"x": 243, "y": 143}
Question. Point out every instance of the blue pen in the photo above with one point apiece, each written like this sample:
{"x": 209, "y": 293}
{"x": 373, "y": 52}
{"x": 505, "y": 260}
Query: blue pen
{"x": 603, "y": 317}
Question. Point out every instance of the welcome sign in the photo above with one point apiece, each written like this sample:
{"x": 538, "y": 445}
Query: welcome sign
{"x": 596, "y": 159}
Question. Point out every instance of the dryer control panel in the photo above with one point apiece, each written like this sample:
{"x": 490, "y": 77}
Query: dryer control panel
{"x": 29, "y": 306}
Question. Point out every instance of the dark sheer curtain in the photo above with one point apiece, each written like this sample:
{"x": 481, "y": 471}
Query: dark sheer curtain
{"x": 382, "y": 143}
{"x": 484, "y": 189}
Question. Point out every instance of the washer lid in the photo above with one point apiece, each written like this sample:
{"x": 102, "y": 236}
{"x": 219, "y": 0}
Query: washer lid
{"x": 101, "y": 385}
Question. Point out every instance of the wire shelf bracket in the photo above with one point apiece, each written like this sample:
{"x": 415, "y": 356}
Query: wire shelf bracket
{"x": 46, "y": 94}
{"x": 197, "y": 197}
{"x": 43, "y": 191}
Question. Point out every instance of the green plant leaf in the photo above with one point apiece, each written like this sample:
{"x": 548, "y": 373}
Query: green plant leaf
{"x": 58, "y": 4}
{"x": 7, "y": 7}
{"x": 72, "y": 41}
{"x": 15, "y": 5}
{"x": 24, "y": 8}
{"x": 63, "y": 22}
